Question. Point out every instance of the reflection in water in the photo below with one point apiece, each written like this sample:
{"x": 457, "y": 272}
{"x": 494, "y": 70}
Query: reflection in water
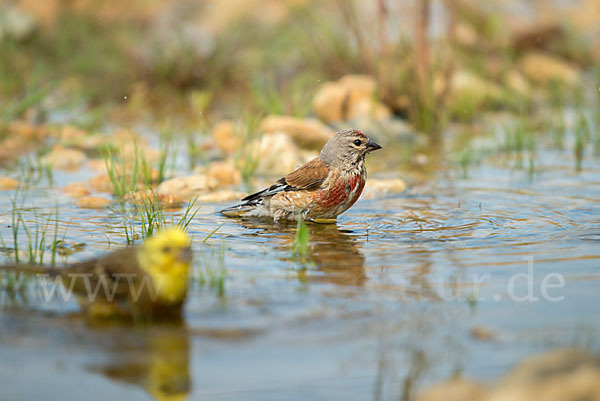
{"x": 155, "y": 358}
{"x": 335, "y": 253}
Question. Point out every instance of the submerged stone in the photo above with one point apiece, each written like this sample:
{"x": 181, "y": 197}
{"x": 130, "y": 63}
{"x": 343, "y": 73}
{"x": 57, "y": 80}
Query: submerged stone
{"x": 93, "y": 202}
{"x": 65, "y": 158}
{"x": 378, "y": 188}
{"x": 7, "y": 183}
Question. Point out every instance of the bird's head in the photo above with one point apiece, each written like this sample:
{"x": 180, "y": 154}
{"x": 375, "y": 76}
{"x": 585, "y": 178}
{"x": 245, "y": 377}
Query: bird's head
{"x": 167, "y": 257}
{"x": 347, "y": 148}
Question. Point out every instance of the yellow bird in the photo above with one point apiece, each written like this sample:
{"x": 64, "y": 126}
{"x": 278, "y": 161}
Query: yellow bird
{"x": 149, "y": 281}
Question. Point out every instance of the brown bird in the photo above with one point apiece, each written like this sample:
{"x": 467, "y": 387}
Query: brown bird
{"x": 323, "y": 188}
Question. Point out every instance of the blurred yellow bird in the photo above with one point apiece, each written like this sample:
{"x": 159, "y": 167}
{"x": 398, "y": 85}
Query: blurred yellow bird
{"x": 147, "y": 281}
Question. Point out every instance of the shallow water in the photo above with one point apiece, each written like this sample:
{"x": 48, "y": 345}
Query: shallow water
{"x": 385, "y": 306}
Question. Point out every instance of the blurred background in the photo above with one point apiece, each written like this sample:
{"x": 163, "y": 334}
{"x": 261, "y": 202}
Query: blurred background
{"x": 191, "y": 60}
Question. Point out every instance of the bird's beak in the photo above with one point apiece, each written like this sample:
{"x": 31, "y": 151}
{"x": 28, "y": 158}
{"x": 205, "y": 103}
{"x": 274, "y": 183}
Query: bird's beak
{"x": 185, "y": 255}
{"x": 371, "y": 146}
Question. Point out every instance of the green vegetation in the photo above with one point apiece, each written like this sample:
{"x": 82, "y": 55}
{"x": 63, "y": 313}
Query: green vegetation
{"x": 147, "y": 215}
{"x": 300, "y": 244}
{"x": 38, "y": 233}
{"x": 211, "y": 270}
{"x": 128, "y": 176}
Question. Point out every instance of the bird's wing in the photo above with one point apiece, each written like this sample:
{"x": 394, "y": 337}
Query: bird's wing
{"x": 106, "y": 277}
{"x": 109, "y": 277}
{"x": 306, "y": 177}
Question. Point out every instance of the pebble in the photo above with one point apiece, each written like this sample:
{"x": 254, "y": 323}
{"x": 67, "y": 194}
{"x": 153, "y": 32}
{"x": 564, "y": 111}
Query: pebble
{"x": 7, "y": 183}
{"x": 93, "y": 202}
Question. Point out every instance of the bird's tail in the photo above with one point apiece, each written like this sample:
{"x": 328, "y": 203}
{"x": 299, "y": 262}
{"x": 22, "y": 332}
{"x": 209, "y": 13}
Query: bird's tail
{"x": 240, "y": 210}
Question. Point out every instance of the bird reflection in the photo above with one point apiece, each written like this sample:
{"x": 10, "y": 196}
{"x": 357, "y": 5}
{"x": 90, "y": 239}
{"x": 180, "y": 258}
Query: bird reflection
{"x": 334, "y": 252}
{"x": 156, "y": 359}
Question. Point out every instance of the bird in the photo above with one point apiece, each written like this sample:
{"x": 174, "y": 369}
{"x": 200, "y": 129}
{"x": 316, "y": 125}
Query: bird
{"x": 319, "y": 190}
{"x": 146, "y": 282}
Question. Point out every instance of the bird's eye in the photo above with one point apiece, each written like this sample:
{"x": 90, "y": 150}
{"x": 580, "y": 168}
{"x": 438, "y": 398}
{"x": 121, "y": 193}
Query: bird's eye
{"x": 166, "y": 249}
{"x": 357, "y": 142}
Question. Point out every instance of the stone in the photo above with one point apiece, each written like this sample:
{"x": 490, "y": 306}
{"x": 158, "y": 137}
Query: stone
{"x": 225, "y": 138}
{"x": 274, "y": 154}
{"x": 308, "y": 132}
{"x": 224, "y": 173}
{"x": 16, "y": 22}
{"x": 481, "y": 333}
{"x": 76, "y": 190}
{"x": 378, "y": 188}
{"x": 467, "y": 83}
{"x": 466, "y": 36}
{"x": 352, "y": 96}
{"x": 221, "y": 196}
{"x": 171, "y": 201}
{"x": 93, "y": 202}
{"x": 187, "y": 187}
{"x": 65, "y": 158}
{"x": 70, "y": 133}
{"x": 458, "y": 389}
{"x": 97, "y": 165}
{"x": 7, "y": 183}
{"x": 515, "y": 80}
{"x": 100, "y": 183}
{"x": 470, "y": 92}
{"x": 543, "y": 68}
{"x": 27, "y": 130}
{"x": 557, "y": 375}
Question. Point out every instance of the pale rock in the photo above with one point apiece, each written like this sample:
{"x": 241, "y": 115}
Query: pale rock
{"x": 328, "y": 103}
{"x": 70, "y": 132}
{"x": 225, "y": 138}
{"x": 352, "y": 96}
{"x": 544, "y": 69}
{"x": 187, "y": 187}
{"x": 517, "y": 82}
{"x": 100, "y": 183}
{"x": 466, "y": 35}
{"x": 468, "y": 84}
{"x": 65, "y": 158}
{"x": 129, "y": 149}
{"x": 127, "y": 136}
{"x": 469, "y": 92}
{"x": 377, "y": 188}
{"x": 224, "y": 173}
{"x": 92, "y": 142}
{"x": 97, "y": 165}
{"x": 482, "y": 333}
{"x": 454, "y": 390}
{"x": 275, "y": 154}
{"x": 557, "y": 375}
{"x": 170, "y": 201}
{"x": 93, "y": 202}
{"x": 7, "y": 183}
{"x": 309, "y": 132}
{"x": 26, "y": 130}
{"x": 221, "y": 196}
{"x": 76, "y": 190}
{"x": 16, "y": 22}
